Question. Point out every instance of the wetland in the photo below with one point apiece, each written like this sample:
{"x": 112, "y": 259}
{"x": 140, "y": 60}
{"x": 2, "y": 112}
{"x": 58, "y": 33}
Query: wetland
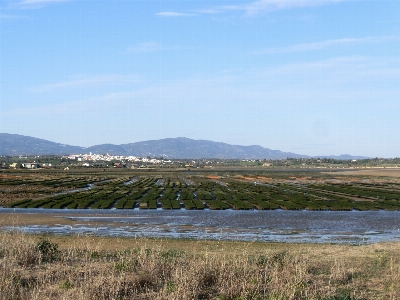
{"x": 282, "y": 206}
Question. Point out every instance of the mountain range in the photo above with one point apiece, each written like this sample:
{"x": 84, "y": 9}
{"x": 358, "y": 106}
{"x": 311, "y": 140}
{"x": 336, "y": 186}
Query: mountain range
{"x": 14, "y": 144}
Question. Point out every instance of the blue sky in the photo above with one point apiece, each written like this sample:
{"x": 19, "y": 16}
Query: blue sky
{"x": 315, "y": 77}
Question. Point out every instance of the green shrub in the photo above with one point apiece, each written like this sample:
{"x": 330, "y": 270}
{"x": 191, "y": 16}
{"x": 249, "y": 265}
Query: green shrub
{"x": 49, "y": 251}
{"x": 66, "y": 285}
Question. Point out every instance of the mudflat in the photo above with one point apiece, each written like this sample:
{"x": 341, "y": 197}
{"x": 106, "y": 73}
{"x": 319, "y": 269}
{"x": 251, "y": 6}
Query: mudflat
{"x": 389, "y": 172}
{"x": 15, "y": 219}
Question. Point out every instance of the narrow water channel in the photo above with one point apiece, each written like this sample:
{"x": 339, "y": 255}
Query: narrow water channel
{"x": 350, "y": 227}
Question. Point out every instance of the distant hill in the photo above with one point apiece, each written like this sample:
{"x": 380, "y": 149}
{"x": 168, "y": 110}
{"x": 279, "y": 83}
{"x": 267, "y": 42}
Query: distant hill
{"x": 187, "y": 148}
{"x": 14, "y": 144}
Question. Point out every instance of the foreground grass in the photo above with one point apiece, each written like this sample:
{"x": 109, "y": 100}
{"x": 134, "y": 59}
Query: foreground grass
{"x": 51, "y": 267}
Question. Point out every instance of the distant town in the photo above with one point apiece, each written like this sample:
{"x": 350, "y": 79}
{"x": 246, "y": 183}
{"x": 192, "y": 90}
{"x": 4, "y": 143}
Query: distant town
{"x": 92, "y": 160}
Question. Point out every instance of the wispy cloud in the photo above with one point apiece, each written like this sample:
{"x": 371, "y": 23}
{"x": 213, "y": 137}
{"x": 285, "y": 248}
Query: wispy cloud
{"x": 88, "y": 81}
{"x": 253, "y": 8}
{"x": 174, "y": 14}
{"x": 337, "y": 81}
{"x": 257, "y": 7}
{"x": 31, "y": 2}
{"x": 322, "y": 45}
{"x": 5, "y": 17}
{"x": 38, "y": 3}
{"x": 148, "y": 47}
{"x": 210, "y": 11}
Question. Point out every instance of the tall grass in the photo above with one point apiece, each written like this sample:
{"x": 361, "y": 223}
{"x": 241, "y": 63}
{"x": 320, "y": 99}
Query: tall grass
{"x": 31, "y": 268}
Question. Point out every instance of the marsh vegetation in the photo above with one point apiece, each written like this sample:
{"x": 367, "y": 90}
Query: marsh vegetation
{"x": 85, "y": 267}
{"x": 288, "y": 191}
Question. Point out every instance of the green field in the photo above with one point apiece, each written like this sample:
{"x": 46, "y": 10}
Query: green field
{"x": 279, "y": 190}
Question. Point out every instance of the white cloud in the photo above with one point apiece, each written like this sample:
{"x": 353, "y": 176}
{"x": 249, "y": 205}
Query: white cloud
{"x": 148, "y": 47}
{"x": 256, "y": 7}
{"x": 322, "y": 45}
{"x": 11, "y": 17}
{"x": 174, "y": 14}
{"x": 87, "y": 81}
{"x": 34, "y": 2}
{"x": 208, "y": 11}
{"x": 37, "y": 3}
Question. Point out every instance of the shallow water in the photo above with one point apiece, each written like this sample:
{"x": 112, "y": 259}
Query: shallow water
{"x": 350, "y": 227}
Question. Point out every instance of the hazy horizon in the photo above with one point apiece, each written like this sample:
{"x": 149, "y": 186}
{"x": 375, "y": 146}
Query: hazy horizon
{"x": 313, "y": 77}
{"x": 207, "y": 141}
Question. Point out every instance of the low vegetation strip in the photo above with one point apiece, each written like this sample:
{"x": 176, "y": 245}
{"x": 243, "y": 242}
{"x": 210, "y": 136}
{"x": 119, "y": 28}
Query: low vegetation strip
{"x": 162, "y": 191}
{"x": 93, "y": 268}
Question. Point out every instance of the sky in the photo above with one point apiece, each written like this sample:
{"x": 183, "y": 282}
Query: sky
{"x": 313, "y": 77}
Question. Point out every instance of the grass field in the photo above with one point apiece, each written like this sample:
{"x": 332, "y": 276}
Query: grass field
{"x": 86, "y": 267}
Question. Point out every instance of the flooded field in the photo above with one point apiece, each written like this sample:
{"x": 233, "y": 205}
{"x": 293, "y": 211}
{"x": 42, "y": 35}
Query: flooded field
{"x": 349, "y": 227}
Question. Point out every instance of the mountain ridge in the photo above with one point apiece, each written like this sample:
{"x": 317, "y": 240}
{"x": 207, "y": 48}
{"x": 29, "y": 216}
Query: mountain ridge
{"x": 179, "y": 148}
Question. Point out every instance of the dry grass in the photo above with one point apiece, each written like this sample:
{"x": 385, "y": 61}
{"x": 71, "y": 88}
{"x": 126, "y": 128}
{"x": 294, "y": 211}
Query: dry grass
{"x": 89, "y": 268}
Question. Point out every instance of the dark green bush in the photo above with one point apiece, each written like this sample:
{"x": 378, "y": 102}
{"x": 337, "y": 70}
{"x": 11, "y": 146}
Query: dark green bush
{"x": 49, "y": 251}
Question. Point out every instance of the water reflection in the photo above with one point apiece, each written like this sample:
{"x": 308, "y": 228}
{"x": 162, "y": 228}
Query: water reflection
{"x": 352, "y": 227}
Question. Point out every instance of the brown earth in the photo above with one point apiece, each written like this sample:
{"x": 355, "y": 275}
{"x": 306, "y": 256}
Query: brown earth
{"x": 394, "y": 172}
